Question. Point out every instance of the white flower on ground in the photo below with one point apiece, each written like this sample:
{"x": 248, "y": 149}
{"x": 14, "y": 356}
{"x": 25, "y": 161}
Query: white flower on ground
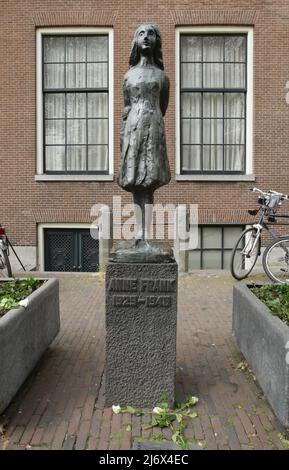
{"x": 24, "y": 302}
{"x": 157, "y": 410}
{"x": 116, "y": 409}
{"x": 194, "y": 400}
{"x": 4, "y": 301}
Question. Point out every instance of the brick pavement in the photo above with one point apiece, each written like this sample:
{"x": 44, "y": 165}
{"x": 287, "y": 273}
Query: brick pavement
{"x": 61, "y": 405}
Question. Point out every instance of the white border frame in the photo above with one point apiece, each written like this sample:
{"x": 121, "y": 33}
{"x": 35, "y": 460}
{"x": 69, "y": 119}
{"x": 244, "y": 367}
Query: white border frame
{"x": 40, "y": 235}
{"x": 39, "y": 103}
{"x": 249, "y": 105}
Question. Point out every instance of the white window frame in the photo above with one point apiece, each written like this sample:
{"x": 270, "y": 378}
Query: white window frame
{"x": 40, "y": 175}
{"x": 248, "y": 176}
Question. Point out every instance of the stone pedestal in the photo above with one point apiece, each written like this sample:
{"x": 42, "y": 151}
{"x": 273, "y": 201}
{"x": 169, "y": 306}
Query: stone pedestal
{"x": 141, "y": 327}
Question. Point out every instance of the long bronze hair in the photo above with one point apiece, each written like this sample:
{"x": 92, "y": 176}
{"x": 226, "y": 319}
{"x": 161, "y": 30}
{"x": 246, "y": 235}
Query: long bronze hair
{"x": 157, "y": 55}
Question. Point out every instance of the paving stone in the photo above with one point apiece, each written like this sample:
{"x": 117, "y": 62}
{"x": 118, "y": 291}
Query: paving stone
{"x": 149, "y": 445}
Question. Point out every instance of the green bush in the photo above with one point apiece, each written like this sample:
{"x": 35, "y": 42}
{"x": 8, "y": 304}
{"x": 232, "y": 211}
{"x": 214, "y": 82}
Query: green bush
{"x": 276, "y": 298}
{"x": 12, "y": 292}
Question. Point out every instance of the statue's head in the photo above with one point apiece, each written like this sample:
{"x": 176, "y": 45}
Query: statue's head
{"x": 147, "y": 41}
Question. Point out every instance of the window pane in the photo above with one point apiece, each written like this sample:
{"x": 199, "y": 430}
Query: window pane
{"x": 234, "y": 105}
{"x": 234, "y": 157}
{"x": 212, "y": 260}
{"x": 213, "y": 105}
{"x": 54, "y": 76}
{"x": 97, "y": 48}
{"x": 234, "y": 131}
{"x": 76, "y": 76}
{"x": 213, "y": 157}
{"x": 97, "y": 131}
{"x": 194, "y": 260}
{"x": 191, "y": 157}
{"x": 213, "y": 76}
{"x": 235, "y": 76}
{"x": 213, "y": 49}
{"x": 76, "y": 131}
{"x": 97, "y": 158}
{"x": 191, "y": 75}
{"x": 76, "y": 158}
{"x": 235, "y": 49}
{"x": 54, "y": 48}
{"x": 212, "y": 131}
{"x": 97, "y": 105}
{"x": 231, "y": 235}
{"x": 226, "y": 259}
{"x": 54, "y": 105}
{"x": 77, "y": 119}
{"x": 212, "y": 237}
{"x": 75, "y": 49}
{"x": 55, "y": 131}
{"x": 191, "y": 48}
{"x": 97, "y": 75}
{"x": 76, "y": 105}
{"x": 191, "y": 104}
{"x": 191, "y": 131}
{"x": 55, "y": 158}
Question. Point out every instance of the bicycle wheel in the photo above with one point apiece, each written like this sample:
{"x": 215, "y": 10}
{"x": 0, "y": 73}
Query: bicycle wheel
{"x": 276, "y": 260}
{"x": 245, "y": 254}
{"x": 5, "y": 267}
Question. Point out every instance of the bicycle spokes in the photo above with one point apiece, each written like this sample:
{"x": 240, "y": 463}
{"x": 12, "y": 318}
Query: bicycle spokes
{"x": 276, "y": 261}
{"x": 245, "y": 253}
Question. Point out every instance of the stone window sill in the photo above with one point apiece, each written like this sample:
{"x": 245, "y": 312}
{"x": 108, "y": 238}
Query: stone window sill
{"x": 44, "y": 177}
{"x": 250, "y": 177}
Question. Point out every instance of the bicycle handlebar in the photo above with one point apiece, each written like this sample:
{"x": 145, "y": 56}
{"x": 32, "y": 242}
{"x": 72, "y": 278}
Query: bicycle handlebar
{"x": 270, "y": 191}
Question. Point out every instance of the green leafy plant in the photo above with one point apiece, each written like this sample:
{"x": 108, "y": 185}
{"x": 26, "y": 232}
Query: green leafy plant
{"x": 276, "y": 298}
{"x": 156, "y": 437}
{"x": 284, "y": 440}
{"x": 164, "y": 417}
{"x": 14, "y": 292}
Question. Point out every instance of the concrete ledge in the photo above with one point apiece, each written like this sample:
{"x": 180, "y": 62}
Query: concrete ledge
{"x": 213, "y": 178}
{"x": 264, "y": 341}
{"x": 25, "y": 334}
{"x": 73, "y": 177}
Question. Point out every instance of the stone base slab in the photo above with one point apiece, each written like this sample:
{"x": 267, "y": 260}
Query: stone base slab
{"x": 141, "y": 327}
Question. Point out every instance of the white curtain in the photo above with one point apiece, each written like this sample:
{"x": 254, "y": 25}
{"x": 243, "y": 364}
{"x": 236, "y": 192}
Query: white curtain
{"x": 76, "y": 123}
{"x": 234, "y": 131}
{"x": 213, "y": 62}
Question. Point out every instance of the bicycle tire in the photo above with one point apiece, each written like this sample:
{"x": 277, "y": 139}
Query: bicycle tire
{"x": 6, "y": 270}
{"x": 276, "y": 261}
{"x": 245, "y": 239}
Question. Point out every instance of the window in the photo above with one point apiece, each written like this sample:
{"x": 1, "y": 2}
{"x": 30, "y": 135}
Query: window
{"x": 67, "y": 249}
{"x": 75, "y": 104}
{"x": 214, "y": 247}
{"x": 213, "y": 104}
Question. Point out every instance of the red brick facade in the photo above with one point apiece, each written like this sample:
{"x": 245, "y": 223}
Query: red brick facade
{"x": 26, "y": 202}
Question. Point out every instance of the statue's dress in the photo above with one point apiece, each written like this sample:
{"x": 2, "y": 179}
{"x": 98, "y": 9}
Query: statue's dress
{"x": 144, "y": 163}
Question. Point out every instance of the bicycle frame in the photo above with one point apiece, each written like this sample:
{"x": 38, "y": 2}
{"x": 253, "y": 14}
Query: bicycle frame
{"x": 250, "y": 239}
{"x": 3, "y": 243}
{"x": 263, "y": 224}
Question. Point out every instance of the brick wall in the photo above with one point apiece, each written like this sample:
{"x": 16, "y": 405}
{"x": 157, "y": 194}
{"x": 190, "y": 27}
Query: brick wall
{"x": 25, "y": 202}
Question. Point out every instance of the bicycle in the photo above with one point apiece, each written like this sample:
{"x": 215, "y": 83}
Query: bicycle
{"x": 275, "y": 258}
{"x": 5, "y": 267}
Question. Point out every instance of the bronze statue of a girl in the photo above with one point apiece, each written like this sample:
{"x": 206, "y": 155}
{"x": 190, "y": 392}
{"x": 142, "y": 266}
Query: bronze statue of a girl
{"x": 144, "y": 164}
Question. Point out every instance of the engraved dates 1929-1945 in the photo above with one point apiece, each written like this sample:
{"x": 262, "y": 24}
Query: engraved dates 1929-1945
{"x": 141, "y": 292}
